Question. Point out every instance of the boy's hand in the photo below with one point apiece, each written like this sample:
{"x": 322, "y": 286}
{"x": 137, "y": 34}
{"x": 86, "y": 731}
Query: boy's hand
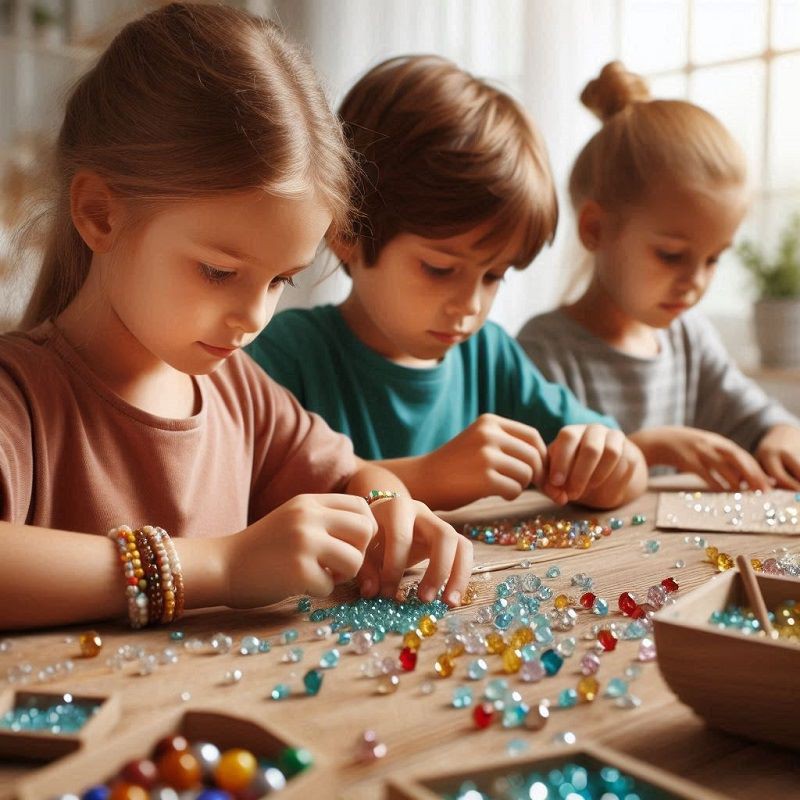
{"x": 778, "y": 452}
{"x": 721, "y": 463}
{"x": 493, "y": 456}
{"x": 587, "y": 460}
{"x": 408, "y": 531}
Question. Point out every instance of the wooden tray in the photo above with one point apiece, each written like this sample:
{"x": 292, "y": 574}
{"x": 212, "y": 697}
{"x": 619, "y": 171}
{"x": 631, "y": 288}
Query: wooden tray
{"x": 46, "y": 746}
{"x": 742, "y": 684}
{"x": 433, "y": 786}
{"x": 98, "y": 764}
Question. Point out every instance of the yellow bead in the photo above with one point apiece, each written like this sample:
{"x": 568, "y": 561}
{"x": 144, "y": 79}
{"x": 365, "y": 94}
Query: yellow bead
{"x": 90, "y": 644}
{"x": 521, "y": 636}
{"x": 561, "y": 602}
{"x": 724, "y": 562}
{"x": 235, "y": 770}
{"x": 456, "y": 650}
{"x": 412, "y": 640}
{"x": 756, "y": 564}
{"x": 444, "y": 666}
{"x": 583, "y": 542}
{"x": 512, "y": 660}
{"x": 470, "y": 595}
{"x": 711, "y": 552}
{"x": 495, "y": 643}
{"x": 588, "y": 688}
{"x": 427, "y": 626}
{"x": 388, "y": 684}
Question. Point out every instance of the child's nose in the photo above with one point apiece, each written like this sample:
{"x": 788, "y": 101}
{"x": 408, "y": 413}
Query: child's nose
{"x": 253, "y": 314}
{"x": 466, "y": 303}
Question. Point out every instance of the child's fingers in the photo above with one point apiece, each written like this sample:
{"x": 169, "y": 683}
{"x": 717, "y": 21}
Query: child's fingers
{"x": 340, "y": 557}
{"x": 587, "y": 457}
{"x": 344, "y": 502}
{"x": 721, "y": 465}
{"x": 442, "y": 553}
{"x": 460, "y": 573}
{"x": 369, "y": 576}
{"x": 613, "y": 451}
{"x": 749, "y": 470}
{"x": 506, "y": 487}
{"x": 357, "y": 530}
{"x": 561, "y": 454}
{"x": 317, "y": 581}
{"x": 396, "y": 519}
{"x": 774, "y": 466}
{"x": 706, "y": 470}
{"x": 527, "y": 455}
{"x": 792, "y": 464}
{"x": 525, "y": 433}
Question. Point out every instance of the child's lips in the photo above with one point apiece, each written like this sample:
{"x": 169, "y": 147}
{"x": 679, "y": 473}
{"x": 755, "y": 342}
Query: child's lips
{"x": 449, "y": 337}
{"x": 218, "y": 352}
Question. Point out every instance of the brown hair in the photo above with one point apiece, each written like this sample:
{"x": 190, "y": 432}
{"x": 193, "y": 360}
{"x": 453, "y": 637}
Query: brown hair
{"x": 186, "y": 102}
{"x": 441, "y": 152}
{"x": 643, "y": 140}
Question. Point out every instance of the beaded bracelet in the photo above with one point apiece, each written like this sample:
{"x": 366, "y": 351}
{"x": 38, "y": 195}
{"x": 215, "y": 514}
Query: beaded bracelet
{"x": 177, "y": 575}
{"x": 135, "y": 581}
{"x": 155, "y": 595}
{"x": 379, "y": 496}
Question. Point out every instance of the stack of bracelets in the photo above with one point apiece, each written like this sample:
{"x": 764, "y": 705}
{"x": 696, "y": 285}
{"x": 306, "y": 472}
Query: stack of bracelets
{"x": 152, "y": 572}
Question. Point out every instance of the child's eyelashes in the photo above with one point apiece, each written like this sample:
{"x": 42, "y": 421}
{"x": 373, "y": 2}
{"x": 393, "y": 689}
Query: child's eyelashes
{"x": 282, "y": 280}
{"x": 490, "y": 277}
{"x": 668, "y": 257}
{"x": 214, "y": 274}
{"x": 436, "y": 272}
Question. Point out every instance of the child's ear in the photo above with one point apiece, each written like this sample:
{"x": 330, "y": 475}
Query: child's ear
{"x": 97, "y": 212}
{"x": 591, "y": 220}
{"x": 346, "y": 250}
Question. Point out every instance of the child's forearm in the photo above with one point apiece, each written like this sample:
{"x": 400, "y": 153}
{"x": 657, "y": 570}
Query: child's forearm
{"x": 414, "y": 471}
{"x": 51, "y": 577}
{"x": 649, "y": 442}
{"x": 371, "y": 475}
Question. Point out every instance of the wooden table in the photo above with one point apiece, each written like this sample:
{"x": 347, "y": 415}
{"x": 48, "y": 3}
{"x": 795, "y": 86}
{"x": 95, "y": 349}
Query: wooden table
{"x": 424, "y": 730}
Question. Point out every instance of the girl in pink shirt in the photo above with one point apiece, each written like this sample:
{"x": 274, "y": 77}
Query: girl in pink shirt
{"x": 195, "y": 179}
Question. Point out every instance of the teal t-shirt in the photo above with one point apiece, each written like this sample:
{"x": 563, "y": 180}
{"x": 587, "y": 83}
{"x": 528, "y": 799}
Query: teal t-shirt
{"x": 391, "y": 411}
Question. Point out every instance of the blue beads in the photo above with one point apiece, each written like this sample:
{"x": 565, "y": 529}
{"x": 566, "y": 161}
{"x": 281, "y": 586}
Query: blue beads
{"x": 615, "y": 523}
{"x": 100, "y": 792}
{"x": 250, "y": 645}
{"x": 616, "y": 687}
{"x": 503, "y": 621}
{"x": 503, "y": 589}
{"x": 281, "y": 691}
{"x": 312, "y": 680}
{"x": 514, "y": 712}
{"x": 551, "y": 661}
{"x": 264, "y": 646}
{"x": 567, "y": 698}
{"x": 553, "y": 572}
{"x": 600, "y": 607}
{"x": 496, "y": 689}
{"x": 344, "y": 638}
{"x": 318, "y": 615}
{"x": 462, "y": 697}
{"x": 304, "y": 604}
{"x": 289, "y": 635}
{"x": 177, "y": 636}
{"x": 651, "y": 546}
{"x": 477, "y": 669}
{"x": 41, "y": 713}
{"x": 330, "y": 659}
{"x": 638, "y": 519}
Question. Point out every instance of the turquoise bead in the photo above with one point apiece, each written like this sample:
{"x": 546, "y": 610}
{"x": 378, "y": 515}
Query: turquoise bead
{"x": 343, "y": 638}
{"x": 551, "y": 661}
{"x": 477, "y": 669}
{"x": 553, "y": 572}
{"x": 638, "y": 519}
{"x": 514, "y": 714}
{"x": 600, "y": 607}
{"x": 281, "y": 691}
{"x": 496, "y": 689}
{"x": 304, "y": 604}
{"x": 330, "y": 659}
{"x": 288, "y": 636}
{"x": 312, "y": 680}
{"x": 651, "y": 546}
{"x": 462, "y": 697}
{"x": 567, "y": 698}
{"x": 615, "y": 523}
{"x": 616, "y": 687}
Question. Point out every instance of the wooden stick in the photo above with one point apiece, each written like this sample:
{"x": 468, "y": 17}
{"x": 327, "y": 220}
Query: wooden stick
{"x": 754, "y": 596}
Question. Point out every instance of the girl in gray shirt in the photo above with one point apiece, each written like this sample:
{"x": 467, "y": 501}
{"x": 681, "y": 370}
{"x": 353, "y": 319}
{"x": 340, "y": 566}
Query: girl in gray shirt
{"x": 658, "y": 194}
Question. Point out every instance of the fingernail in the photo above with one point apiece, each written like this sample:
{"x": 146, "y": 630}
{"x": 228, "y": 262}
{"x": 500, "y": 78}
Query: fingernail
{"x": 368, "y": 588}
{"x": 557, "y": 478}
{"x": 426, "y": 594}
{"x": 454, "y": 598}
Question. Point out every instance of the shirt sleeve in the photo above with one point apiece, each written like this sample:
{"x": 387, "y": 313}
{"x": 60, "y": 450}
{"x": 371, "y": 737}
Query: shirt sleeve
{"x": 16, "y": 451}
{"x": 278, "y": 352}
{"x": 295, "y": 452}
{"x": 728, "y": 402}
{"x": 546, "y": 406}
{"x": 542, "y": 356}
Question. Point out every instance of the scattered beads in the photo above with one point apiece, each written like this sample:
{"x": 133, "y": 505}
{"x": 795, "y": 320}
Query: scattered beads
{"x": 539, "y": 532}
{"x": 785, "y": 619}
{"x": 281, "y": 691}
{"x": 90, "y": 643}
{"x": 63, "y": 715}
{"x": 232, "y": 676}
{"x": 369, "y": 748}
{"x": 462, "y": 697}
{"x": 330, "y": 659}
{"x": 607, "y": 639}
{"x": 483, "y": 715}
{"x": 388, "y": 684}
{"x": 638, "y": 519}
{"x": 312, "y": 680}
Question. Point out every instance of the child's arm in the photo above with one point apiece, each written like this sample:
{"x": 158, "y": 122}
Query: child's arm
{"x": 308, "y": 544}
{"x": 778, "y": 452}
{"x": 493, "y": 456}
{"x": 595, "y": 466}
{"x": 721, "y": 463}
{"x": 408, "y": 532}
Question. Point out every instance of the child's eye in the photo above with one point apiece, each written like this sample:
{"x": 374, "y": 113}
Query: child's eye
{"x": 436, "y": 272}
{"x": 669, "y": 258}
{"x": 490, "y": 277}
{"x": 214, "y": 275}
{"x": 281, "y": 280}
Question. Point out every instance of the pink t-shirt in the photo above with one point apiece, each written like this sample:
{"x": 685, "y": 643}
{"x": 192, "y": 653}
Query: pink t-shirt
{"x": 74, "y": 456}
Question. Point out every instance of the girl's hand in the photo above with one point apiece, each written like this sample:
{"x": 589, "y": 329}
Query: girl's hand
{"x": 591, "y": 464}
{"x": 408, "y": 531}
{"x": 493, "y": 456}
{"x": 778, "y": 452}
{"x": 721, "y": 463}
{"x": 305, "y": 546}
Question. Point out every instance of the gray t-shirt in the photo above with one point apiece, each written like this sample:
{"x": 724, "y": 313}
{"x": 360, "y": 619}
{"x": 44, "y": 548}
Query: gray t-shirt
{"x": 692, "y": 381}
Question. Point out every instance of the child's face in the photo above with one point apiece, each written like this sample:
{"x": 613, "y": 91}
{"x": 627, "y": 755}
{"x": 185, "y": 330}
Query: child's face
{"x": 656, "y": 262}
{"x": 201, "y": 278}
{"x": 424, "y": 296}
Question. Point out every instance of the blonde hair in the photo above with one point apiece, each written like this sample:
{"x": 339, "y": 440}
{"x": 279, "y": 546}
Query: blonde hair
{"x": 440, "y": 152}
{"x": 190, "y": 101}
{"x": 643, "y": 141}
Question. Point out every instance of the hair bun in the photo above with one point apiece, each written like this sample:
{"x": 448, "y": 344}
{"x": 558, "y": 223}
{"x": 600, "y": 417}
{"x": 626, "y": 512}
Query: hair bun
{"x": 614, "y": 90}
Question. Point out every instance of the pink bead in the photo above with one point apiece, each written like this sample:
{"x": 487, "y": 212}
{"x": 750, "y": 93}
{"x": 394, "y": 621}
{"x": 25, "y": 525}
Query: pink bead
{"x": 590, "y": 663}
{"x": 647, "y": 650}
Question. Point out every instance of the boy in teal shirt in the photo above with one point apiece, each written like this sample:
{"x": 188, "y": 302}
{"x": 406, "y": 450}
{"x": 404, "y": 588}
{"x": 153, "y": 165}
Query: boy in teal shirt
{"x": 455, "y": 189}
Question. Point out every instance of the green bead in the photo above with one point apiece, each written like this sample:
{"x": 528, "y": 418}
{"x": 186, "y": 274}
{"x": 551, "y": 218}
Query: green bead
{"x": 294, "y": 760}
{"x": 312, "y": 680}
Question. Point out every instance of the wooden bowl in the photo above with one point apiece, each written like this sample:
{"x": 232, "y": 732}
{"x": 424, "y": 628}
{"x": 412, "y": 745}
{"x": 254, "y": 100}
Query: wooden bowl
{"x": 742, "y": 684}
{"x": 433, "y": 786}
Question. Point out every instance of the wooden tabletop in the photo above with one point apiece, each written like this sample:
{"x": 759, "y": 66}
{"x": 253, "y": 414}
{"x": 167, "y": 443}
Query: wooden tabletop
{"x": 425, "y": 731}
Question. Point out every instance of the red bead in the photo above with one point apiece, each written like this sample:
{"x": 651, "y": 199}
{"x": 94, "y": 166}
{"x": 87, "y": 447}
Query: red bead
{"x": 168, "y": 744}
{"x": 607, "y": 639}
{"x": 483, "y": 715}
{"x": 408, "y": 659}
{"x": 587, "y": 600}
{"x": 180, "y": 769}
{"x": 141, "y": 773}
{"x": 629, "y": 606}
{"x": 670, "y": 584}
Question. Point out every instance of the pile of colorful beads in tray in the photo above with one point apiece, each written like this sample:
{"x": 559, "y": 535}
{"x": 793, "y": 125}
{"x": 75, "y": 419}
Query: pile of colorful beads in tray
{"x": 575, "y": 779}
{"x": 785, "y": 619}
{"x": 199, "y": 770}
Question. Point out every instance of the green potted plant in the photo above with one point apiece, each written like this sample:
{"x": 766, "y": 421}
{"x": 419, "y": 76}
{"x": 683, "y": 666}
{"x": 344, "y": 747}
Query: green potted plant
{"x": 777, "y": 310}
